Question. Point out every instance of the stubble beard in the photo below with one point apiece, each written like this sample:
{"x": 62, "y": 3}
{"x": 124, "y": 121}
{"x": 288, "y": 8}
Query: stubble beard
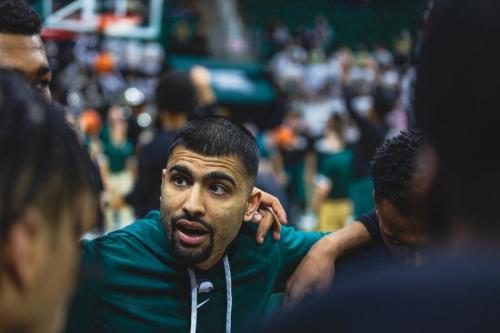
{"x": 189, "y": 256}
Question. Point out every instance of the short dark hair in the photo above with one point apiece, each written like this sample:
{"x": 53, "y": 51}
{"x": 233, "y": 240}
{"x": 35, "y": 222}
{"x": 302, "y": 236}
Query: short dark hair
{"x": 17, "y": 17}
{"x": 43, "y": 162}
{"x": 393, "y": 170}
{"x": 176, "y": 93}
{"x": 219, "y": 136}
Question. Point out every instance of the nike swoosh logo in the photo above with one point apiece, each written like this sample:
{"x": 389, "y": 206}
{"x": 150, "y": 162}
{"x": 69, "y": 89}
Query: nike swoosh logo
{"x": 203, "y": 303}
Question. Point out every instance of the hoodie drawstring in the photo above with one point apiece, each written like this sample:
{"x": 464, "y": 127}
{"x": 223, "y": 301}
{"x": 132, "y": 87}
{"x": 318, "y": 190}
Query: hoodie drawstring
{"x": 194, "y": 297}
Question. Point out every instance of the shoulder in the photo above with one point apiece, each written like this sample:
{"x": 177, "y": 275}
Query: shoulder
{"x": 370, "y": 217}
{"x": 145, "y": 234}
{"x": 290, "y": 237}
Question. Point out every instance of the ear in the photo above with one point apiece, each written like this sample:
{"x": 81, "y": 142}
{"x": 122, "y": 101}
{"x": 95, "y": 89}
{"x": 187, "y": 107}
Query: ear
{"x": 22, "y": 249}
{"x": 253, "y": 203}
{"x": 163, "y": 176}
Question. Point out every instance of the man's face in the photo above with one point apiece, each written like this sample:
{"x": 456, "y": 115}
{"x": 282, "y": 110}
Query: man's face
{"x": 26, "y": 54}
{"x": 204, "y": 201}
{"x": 404, "y": 236}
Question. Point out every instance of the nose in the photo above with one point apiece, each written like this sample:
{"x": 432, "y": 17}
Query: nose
{"x": 194, "y": 204}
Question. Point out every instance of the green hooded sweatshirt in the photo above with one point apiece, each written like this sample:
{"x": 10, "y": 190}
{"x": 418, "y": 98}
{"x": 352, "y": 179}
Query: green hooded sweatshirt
{"x": 132, "y": 282}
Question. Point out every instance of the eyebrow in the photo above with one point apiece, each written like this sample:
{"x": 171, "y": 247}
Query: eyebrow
{"x": 39, "y": 73}
{"x": 221, "y": 176}
{"x": 210, "y": 176}
{"x": 180, "y": 169}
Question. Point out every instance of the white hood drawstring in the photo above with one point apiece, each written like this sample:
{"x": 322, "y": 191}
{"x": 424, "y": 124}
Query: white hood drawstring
{"x": 194, "y": 297}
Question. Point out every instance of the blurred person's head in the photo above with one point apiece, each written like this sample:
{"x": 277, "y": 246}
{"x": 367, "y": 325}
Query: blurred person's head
{"x": 458, "y": 106}
{"x": 207, "y": 188}
{"x": 396, "y": 173}
{"x": 89, "y": 122}
{"x": 21, "y": 47}
{"x": 295, "y": 120}
{"x": 176, "y": 97}
{"x": 336, "y": 124}
{"x": 46, "y": 201}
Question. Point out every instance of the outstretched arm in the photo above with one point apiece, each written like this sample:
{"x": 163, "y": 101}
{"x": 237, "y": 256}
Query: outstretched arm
{"x": 317, "y": 270}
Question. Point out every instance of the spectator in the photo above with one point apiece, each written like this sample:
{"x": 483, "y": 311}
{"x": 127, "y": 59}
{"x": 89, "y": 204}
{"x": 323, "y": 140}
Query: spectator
{"x": 176, "y": 100}
{"x": 331, "y": 197}
{"x": 295, "y": 145}
{"x": 372, "y": 129}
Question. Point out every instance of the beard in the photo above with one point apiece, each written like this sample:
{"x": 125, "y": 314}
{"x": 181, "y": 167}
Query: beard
{"x": 186, "y": 255}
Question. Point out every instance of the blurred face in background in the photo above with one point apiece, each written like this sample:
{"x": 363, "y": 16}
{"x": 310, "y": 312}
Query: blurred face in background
{"x": 405, "y": 236}
{"x": 26, "y": 54}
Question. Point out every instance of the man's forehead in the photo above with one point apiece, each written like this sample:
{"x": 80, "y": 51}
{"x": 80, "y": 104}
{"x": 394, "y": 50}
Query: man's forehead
{"x": 182, "y": 155}
{"x": 20, "y": 42}
{"x": 23, "y": 53}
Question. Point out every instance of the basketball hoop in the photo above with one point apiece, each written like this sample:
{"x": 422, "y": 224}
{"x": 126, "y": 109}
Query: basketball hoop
{"x": 57, "y": 35}
{"x": 111, "y": 23}
{"x": 83, "y": 16}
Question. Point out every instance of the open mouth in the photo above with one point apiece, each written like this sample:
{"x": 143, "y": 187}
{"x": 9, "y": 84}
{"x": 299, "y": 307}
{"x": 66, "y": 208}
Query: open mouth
{"x": 191, "y": 233}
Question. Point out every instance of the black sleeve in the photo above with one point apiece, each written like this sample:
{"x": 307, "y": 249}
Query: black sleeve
{"x": 370, "y": 133}
{"x": 370, "y": 221}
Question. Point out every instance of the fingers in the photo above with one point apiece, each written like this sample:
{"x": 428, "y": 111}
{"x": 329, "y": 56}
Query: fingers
{"x": 256, "y": 217}
{"x": 279, "y": 210}
{"x": 265, "y": 224}
{"x": 268, "y": 200}
{"x": 276, "y": 227}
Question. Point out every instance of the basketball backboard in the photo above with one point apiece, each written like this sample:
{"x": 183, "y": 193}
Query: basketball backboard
{"x": 115, "y": 18}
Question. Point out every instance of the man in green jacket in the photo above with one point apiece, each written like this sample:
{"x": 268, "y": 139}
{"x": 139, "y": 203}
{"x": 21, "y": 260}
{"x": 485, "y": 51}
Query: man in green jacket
{"x": 194, "y": 266}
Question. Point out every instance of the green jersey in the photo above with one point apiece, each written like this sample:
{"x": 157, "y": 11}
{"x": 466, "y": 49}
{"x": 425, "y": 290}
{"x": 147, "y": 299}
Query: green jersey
{"x": 134, "y": 283}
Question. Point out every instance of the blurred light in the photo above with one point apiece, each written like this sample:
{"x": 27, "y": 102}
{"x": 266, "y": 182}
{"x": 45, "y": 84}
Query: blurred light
{"x": 363, "y": 104}
{"x": 75, "y": 100}
{"x": 144, "y": 119}
{"x": 134, "y": 96}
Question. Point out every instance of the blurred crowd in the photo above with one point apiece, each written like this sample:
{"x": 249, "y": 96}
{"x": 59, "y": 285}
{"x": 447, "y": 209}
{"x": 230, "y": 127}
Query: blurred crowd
{"x": 338, "y": 107}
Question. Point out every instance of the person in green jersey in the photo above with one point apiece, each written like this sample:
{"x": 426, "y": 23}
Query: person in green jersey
{"x": 330, "y": 199}
{"x": 194, "y": 266}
